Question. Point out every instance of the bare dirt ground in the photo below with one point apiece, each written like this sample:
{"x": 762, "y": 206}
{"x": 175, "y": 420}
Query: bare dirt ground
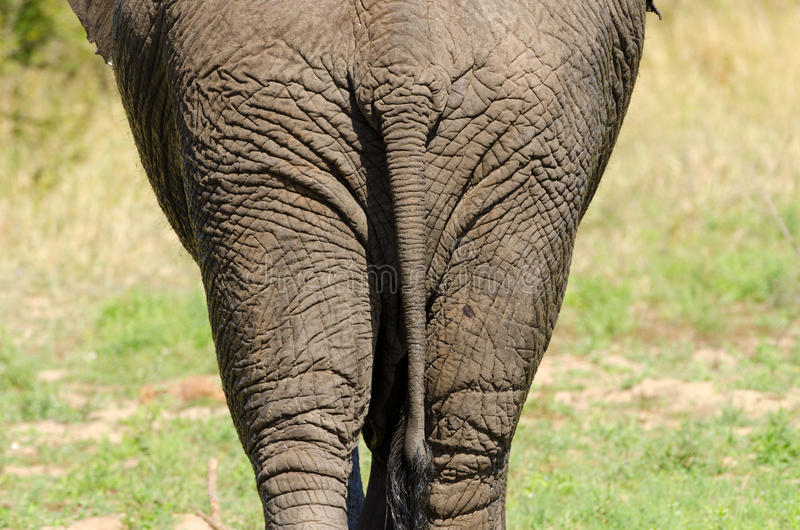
{"x": 184, "y": 521}
{"x": 598, "y": 381}
{"x": 29, "y": 439}
{"x": 613, "y": 380}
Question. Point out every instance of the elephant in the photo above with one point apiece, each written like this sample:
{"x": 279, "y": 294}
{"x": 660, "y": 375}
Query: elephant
{"x": 382, "y": 197}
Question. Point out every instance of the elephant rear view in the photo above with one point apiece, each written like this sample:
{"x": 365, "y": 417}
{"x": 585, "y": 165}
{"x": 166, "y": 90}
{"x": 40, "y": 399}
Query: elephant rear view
{"x": 382, "y": 197}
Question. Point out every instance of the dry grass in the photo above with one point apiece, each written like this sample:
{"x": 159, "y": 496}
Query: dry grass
{"x": 712, "y": 131}
{"x": 78, "y": 222}
{"x": 714, "y": 126}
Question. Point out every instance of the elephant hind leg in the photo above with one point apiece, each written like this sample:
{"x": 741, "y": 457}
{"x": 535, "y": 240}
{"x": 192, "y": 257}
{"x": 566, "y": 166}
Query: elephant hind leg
{"x": 375, "y": 514}
{"x": 488, "y": 330}
{"x": 355, "y": 493}
{"x": 290, "y": 308}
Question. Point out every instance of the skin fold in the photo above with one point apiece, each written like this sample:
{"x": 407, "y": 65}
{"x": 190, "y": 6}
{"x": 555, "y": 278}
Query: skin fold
{"x": 382, "y": 198}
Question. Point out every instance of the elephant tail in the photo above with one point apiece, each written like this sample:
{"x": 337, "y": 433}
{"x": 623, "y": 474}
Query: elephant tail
{"x": 406, "y": 110}
{"x": 405, "y": 132}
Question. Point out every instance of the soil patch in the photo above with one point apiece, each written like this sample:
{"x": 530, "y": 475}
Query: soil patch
{"x": 660, "y": 397}
{"x": 103, "y": 424}
{"x": 30, "y": 471}
{"x": 51, "y": 376}
{"x": 188, "y": 389}
{"x": 106, "y": 522}
{"x": 566, "y": 368}
{"x": 188, "y": 521}
{"x": 58, "y": 433}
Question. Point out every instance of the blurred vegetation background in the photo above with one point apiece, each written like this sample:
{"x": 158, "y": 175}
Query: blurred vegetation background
{"x": 669, "y": 396}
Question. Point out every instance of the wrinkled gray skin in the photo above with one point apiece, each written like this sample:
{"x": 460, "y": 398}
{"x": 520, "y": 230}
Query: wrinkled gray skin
{"x": 382, "y": 197}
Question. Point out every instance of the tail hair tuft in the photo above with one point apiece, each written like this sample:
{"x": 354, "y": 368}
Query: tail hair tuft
{"x": 408, "y": 483}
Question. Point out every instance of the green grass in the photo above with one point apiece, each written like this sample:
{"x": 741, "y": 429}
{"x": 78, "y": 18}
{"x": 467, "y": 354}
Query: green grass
{"x": 612, "y": 473}
{"x": 24, "y": 399}
{"x": 603, "y": 310}
{"x": 149, "y": 337}
{"x": 153, "y": 474}
{"x": 686, "y": 269}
